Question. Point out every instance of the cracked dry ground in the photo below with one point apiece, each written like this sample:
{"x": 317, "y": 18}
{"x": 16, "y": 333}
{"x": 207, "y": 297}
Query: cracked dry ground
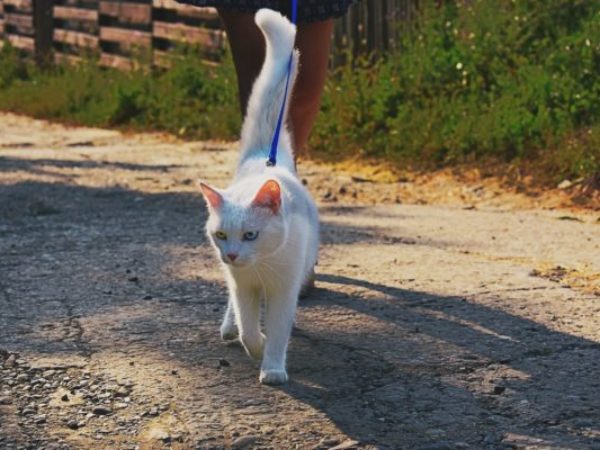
{"x": 431, "y": 327}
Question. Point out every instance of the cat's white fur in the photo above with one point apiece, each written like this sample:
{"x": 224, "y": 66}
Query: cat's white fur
{"x": 271, "y": 200}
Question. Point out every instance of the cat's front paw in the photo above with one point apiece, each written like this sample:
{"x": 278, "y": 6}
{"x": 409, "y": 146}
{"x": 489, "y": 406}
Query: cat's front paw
{"x": 228, "y": 331}
{"x": 273, "y": 376}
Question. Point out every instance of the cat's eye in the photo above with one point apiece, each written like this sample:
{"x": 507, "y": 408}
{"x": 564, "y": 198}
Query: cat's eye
{"x": 220, "y": 235}
{"x": 250, "y": 235}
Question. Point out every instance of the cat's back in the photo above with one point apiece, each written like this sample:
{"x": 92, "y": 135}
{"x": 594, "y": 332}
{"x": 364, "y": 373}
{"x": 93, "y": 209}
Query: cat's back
{"x": 296, "y": 200}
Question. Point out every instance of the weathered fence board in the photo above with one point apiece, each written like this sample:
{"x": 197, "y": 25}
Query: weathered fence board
{"x": 117, "y": 62}
{"x": 70, "y": 13}
{"x": 186, "y": 11}
{"x": 210, "y": 39}
{"x": 22, "y": 42}
{"x": 75, "y": 38}
{"x": 1, "y": 21}
{"x": 20, "y": 5}
{"x": 127, "y": 13}
{"x": 126, "y": 38}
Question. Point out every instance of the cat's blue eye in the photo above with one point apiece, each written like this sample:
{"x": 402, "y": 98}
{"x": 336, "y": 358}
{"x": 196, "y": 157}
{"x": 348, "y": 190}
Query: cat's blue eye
{"x": 220, "y": 235}
{"x": 250, "y": 235}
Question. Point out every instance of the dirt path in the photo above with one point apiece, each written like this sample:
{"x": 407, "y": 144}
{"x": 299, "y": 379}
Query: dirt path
{"x": 432, "y": 327}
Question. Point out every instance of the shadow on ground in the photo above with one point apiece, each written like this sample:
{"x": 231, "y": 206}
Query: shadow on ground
{"x": 92, "y": 270}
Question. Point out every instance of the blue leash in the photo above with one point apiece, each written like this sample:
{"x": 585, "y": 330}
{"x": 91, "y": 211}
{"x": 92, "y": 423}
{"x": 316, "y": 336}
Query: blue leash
{"x": 275, "y": 142}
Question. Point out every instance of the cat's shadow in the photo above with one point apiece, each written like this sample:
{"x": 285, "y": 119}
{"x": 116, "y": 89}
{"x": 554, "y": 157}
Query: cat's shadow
{"x": 422, "y": 362}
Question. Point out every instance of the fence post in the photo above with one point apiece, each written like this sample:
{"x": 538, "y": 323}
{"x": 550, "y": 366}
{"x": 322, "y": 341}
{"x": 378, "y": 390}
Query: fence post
{"x": 43, "y": 28}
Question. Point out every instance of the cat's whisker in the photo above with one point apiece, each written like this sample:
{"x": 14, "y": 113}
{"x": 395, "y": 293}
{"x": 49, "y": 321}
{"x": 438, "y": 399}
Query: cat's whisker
{"x": 274, "y": 274}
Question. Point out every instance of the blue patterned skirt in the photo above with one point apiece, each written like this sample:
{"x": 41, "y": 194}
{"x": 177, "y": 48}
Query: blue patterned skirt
{"x": 308, "y": 10}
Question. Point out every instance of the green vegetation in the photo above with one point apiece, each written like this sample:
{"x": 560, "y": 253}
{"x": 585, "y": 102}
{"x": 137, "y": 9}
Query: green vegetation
{"x": 509, "y": 81}
{"x": 515, "y": 81}
{"x": 191, "y": 99}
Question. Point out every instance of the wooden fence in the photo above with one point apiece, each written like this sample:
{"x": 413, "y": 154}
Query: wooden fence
{"x": 117, "y": 30}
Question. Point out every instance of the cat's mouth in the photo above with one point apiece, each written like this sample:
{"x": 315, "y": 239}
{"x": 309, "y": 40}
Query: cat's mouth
{"x": 236, "y": 263}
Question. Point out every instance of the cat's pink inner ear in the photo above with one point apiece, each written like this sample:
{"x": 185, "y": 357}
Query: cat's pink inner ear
{"x": 269, "y": 196}
{"x": 213, "y": 198}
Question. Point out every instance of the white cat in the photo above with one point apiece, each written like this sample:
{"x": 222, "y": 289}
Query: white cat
{"x": 265, "y": 226}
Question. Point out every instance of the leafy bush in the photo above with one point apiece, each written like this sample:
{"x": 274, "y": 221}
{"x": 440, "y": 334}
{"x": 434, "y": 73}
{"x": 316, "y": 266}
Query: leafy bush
{"x": 511, "y": 80}
{"x": 11, "y": 66}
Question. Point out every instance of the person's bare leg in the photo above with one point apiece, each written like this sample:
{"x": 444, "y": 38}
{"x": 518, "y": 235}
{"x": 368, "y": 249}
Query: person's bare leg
{"x": 247, "y": 48}
{"x": 248, "y": 51}
{"x": 313, "y": 41}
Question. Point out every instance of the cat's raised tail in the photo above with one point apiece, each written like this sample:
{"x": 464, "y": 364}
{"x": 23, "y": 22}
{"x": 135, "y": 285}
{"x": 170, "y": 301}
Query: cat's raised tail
{"x": 267, "y": 94}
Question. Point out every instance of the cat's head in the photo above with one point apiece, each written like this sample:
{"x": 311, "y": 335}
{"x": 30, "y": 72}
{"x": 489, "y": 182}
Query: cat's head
{"x": 245, "y": 225}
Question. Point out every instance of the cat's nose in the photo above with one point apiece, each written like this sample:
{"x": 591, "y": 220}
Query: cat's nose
{"x": 232, "y": 256}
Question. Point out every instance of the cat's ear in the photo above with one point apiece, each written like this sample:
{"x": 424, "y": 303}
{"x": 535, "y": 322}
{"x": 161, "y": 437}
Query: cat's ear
{"x": 268, "y": 196}
{"x": 213, "y": 198}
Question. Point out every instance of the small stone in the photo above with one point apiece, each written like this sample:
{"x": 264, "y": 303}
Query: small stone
{"x": 491, "y": 438}
{"x": 48, "y": 373}
{"x": 348, "y": 444}
{"x": 499, "y": 390}
{"x": 65, "y": 398}
{"x": 153, "y": 411}
{"x": 22, "y": 377}
{"x": 159, "y": 434}
{"x": 147, "y": 297}
{"x": 224, "y": 363}
{"x": 583, "y": 423}
{"x": 328, "y": 442}
{"x": 133, "y": 279}
{"x": 102, "y": 410}
{"x": 442, "y": 445}
{"x": 10, "y": 362}
{"x": 73, "y": 424}
{"x": 5, "y": 400}
{"x": 122, "y": 392}
{"x": 40, "y": 419}
{"x": 244, "y": 441}
{"x": 565, "y": 184}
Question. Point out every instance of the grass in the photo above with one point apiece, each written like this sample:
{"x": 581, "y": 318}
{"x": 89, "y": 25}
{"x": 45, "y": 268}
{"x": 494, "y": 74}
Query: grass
{"x": 473, "y": 82}
{"x": 191, "y": 100}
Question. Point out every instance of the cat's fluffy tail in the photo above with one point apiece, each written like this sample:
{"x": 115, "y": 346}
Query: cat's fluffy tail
{"x": 267, "y": 94}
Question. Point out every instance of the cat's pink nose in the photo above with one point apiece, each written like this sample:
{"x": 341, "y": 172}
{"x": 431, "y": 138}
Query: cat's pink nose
{"x": 232, "y": 256}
